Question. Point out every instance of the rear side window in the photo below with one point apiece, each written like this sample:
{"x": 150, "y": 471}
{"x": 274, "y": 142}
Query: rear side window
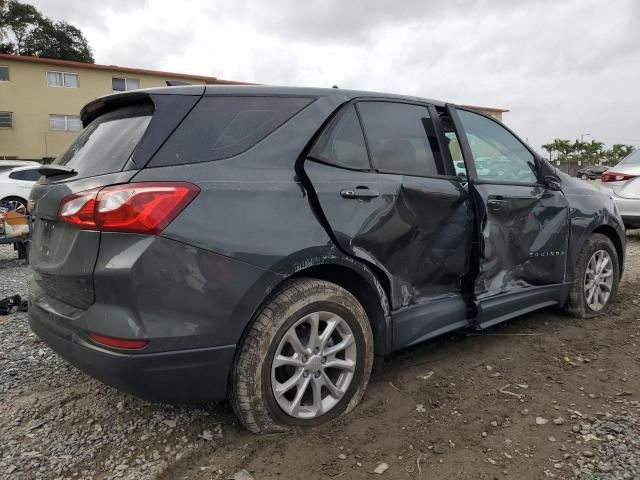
{"x": 106, "y": 144}
{"x": 31, "y": 175}
{"x": 631, "y": 159}
{"x": 342, "y": 142}
{"x": 222, "y": 127}
{"x": 397, "y": 138}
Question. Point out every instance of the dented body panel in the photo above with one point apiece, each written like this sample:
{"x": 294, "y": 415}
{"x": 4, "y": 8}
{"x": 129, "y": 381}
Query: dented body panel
{"x": 524, "y": 238}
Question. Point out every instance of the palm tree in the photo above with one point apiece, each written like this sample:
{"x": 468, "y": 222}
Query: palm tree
{"x": 563, "y": 147}
{"x": 549, "y": 147}
{"x": 593, "y": 152}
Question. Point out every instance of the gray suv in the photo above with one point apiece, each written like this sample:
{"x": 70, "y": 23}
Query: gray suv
{"x": 269, "y": 245}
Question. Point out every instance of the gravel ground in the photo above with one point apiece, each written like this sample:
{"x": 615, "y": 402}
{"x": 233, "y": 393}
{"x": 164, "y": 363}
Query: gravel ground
{"x": 543, "y": 396}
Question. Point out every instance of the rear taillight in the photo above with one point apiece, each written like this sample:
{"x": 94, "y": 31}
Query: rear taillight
{"x": 118, "y": 342}
{"x": 615, "y": 177}
{"x": 133, "y": 208}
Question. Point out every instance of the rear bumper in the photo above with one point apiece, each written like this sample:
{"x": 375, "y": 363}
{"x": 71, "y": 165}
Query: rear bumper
{"x": 629, "y": 208}
{"x": 193, "y": 375}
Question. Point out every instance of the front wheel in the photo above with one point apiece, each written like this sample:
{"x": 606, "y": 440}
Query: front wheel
{"x": 305, "y": 360}
{"x": 595, "y": 278}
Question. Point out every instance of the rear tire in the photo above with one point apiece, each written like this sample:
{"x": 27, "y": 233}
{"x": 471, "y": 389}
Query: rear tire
{"x": 282, "y": 347}
{"x": 591, "y": 292}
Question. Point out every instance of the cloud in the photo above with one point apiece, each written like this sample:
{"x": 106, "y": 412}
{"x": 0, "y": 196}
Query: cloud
{"x": 562, "y": 68}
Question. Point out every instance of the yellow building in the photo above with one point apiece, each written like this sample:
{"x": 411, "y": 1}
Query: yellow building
{"x": 492, "y": 112}
{"x": 41, "y": 98}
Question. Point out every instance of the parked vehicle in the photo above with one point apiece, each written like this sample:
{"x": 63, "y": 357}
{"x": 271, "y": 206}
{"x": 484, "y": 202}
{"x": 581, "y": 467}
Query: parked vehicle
{"x": 16, "y": 183}
{"x": 622, "y": 182}
{"x": 270, "y": 243}
{"x": 591, "y": 172}
{"x": 11, "y": 164}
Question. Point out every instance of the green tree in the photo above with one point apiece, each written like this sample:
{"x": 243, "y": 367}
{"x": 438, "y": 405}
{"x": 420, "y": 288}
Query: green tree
{"x": 16, "y": 21}
{"x": 617, "y": 152}
{"x": 549, "y": 147}
{"x": 25, "y": 31}
{"x": 563, "y": 147}
{"x": 593, "y": 152}
{"x": 57, "y": 40}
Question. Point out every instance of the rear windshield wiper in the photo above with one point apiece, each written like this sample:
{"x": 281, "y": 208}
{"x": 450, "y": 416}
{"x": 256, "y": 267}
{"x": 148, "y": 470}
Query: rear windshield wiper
{"x": 54, "y": 170}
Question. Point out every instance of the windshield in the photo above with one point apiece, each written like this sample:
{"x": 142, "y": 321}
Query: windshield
{"x": 632, "y": 159}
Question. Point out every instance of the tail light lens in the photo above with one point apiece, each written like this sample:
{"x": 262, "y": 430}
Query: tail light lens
{"x": 615, "y": 177}
{"x": 118, "y": 342}
{"x": 132, "y": 208}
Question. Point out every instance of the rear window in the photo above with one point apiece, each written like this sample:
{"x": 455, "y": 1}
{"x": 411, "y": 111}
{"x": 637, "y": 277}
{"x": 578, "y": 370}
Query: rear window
{"x": 106, "y": 144}
{"x": 221, "y": 127}
{"x": 632, "y": 159}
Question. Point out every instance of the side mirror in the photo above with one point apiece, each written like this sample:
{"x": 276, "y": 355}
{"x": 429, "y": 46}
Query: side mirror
{"x": 552, "y": 183}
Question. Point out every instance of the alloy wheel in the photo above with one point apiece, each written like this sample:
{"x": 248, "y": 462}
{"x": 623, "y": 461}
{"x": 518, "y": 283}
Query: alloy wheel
{"x": 313, "y": 365}
{"x": 598, "y": 280}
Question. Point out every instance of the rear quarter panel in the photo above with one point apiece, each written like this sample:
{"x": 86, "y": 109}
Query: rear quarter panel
{"x": 252, "y": 209}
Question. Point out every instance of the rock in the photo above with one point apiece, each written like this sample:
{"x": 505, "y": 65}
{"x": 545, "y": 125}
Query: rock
{"x": 541, "y": 421}
{"x": 342, "y": 456}
{"x": 420, "y": 408}
{"x": 206, "y": 435}
{"x": 491, "y": 461}
{"x": 483, "y": 434}
{"x": 613, "y": 427}
{"x": 241, "y": 475}
{"x": 587, "y": 453}
{"x": 170, "y": 423}
{"x": 381, "y": 468}
{"x": 558, "y": 421}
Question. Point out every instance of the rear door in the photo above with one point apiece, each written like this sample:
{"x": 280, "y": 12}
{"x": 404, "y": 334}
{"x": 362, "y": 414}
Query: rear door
{"x": 104, "y": 153}
{"x": 390, "y": 199}
{"x": 523, "y": 226}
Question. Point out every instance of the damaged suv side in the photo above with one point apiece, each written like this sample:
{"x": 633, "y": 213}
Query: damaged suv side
{"x": 267, "y": 244}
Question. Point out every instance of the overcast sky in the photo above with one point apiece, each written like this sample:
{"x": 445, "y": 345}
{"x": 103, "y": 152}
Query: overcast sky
{"x": 562, "y": 67}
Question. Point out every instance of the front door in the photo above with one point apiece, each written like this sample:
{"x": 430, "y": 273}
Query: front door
{"x": 523, "y": 227}
{"x": 392, "y": 201}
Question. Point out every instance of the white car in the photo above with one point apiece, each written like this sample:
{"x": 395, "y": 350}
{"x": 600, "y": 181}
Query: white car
{"x": 10, "y": 164}
{"x": 622, "y": 183}
{"x": 16, "y": 183}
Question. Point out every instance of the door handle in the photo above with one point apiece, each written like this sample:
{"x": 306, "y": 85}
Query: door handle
{"x": 359, "y": 192}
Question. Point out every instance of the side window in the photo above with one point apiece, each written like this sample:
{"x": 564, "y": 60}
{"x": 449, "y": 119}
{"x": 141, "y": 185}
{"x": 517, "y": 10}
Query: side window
{"x": 342, "y": 142}
{"x": 397, "y": 135}
{"x": 31, "y": 175}
{"x": 224, "y": 126}
{"x": 497, "y": 154}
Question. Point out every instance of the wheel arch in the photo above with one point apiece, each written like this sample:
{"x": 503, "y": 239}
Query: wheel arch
{"x": 611, "y": 233}
{"x": 366, "y": 287}
{"x": 14, "y": 197}
{"x": 370, "y": 288}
